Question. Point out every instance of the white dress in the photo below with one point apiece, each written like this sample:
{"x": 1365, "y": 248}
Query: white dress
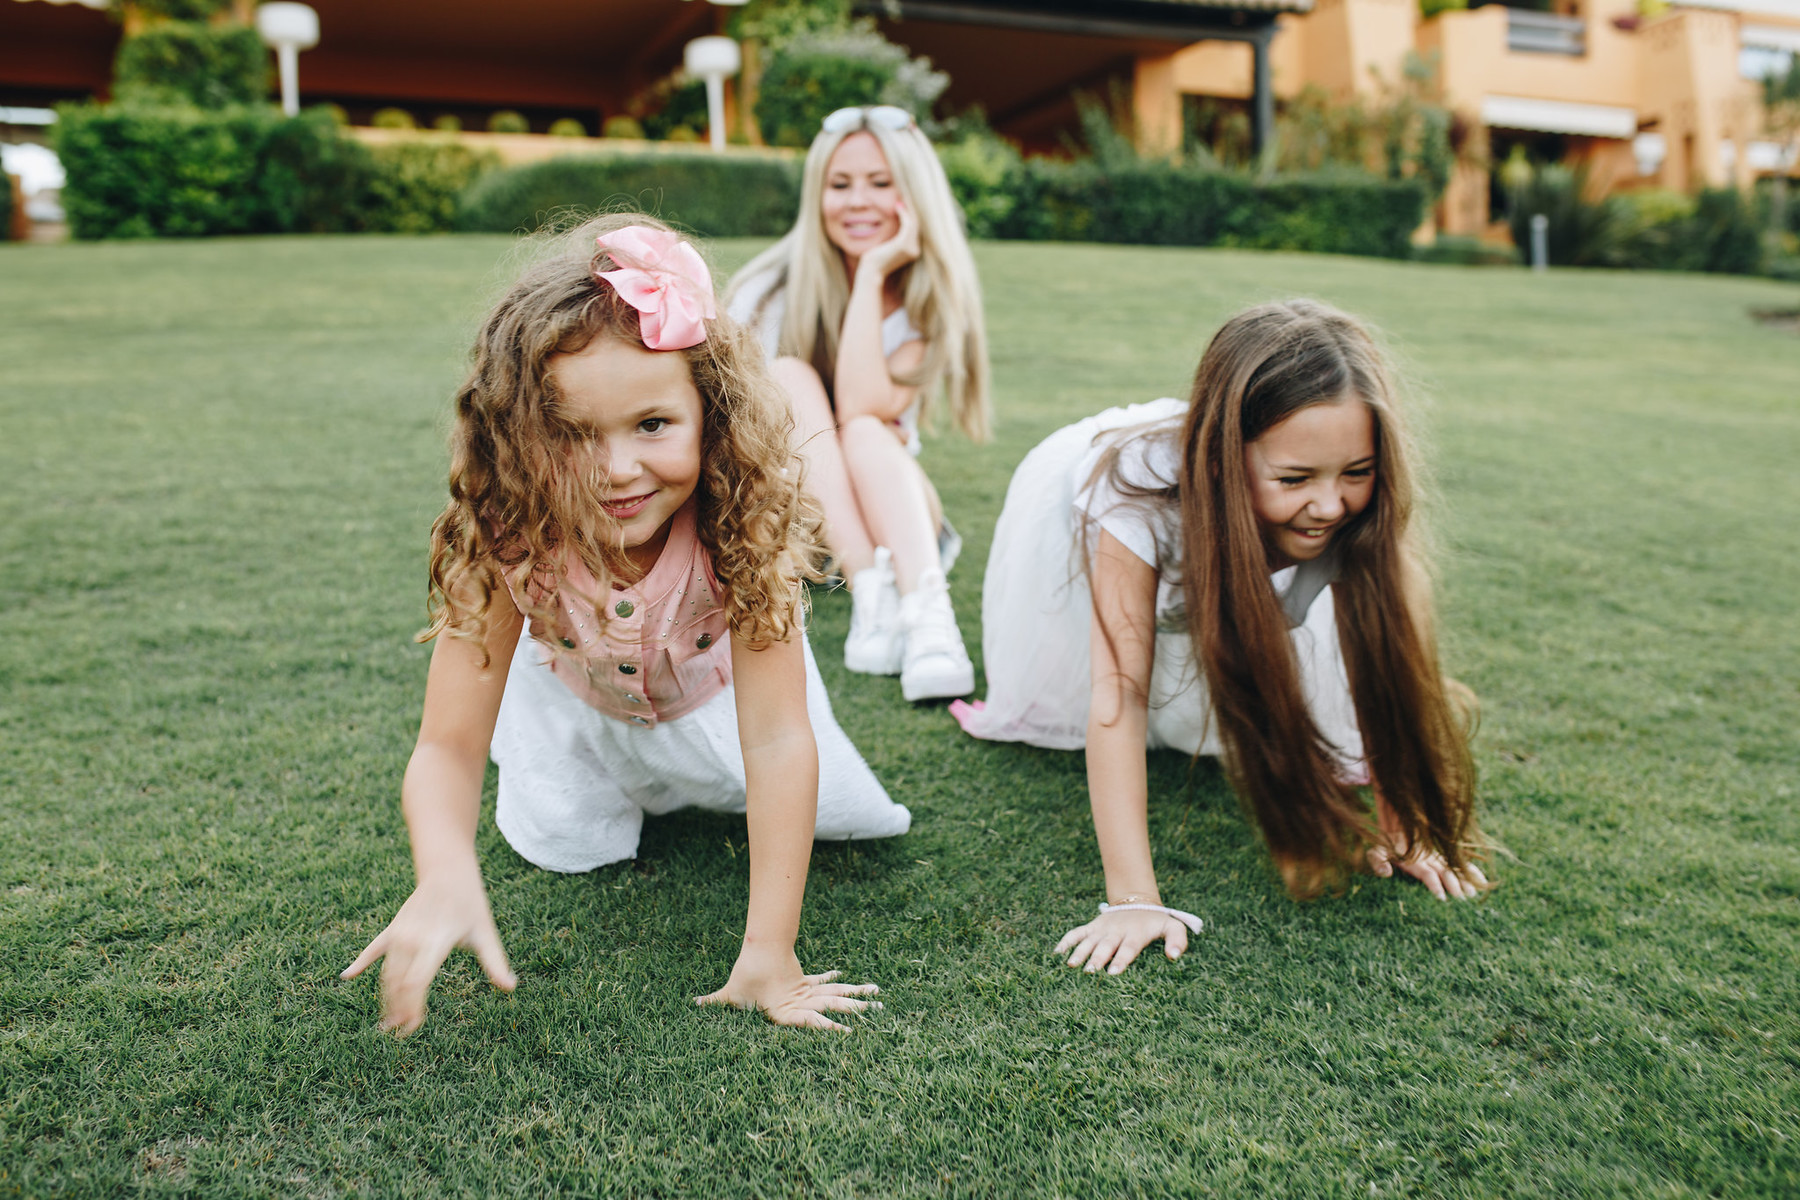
{"x": 575, "y": 784}
{"x": 1036, "y": 609}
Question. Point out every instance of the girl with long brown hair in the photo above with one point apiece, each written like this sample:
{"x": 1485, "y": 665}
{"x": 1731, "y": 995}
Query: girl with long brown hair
{"x": 624, "y": 493}
{"x": 1238, "y": 575}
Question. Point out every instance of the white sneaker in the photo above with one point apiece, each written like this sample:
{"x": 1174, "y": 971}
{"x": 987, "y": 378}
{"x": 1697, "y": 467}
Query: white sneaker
{"x": 935, "y": 664}
{"x": 875, "y": 641}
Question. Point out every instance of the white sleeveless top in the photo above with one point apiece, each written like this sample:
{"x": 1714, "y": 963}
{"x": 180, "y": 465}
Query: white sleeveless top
{"x": 896, "y": 330}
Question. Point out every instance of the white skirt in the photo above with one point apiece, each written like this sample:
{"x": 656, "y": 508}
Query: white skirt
{"x": 575, "y": 784}
{"x": 1037, "y": 612}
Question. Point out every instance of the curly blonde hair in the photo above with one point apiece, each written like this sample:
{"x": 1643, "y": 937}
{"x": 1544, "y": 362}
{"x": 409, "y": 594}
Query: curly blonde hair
{"x": 523, "y": 500}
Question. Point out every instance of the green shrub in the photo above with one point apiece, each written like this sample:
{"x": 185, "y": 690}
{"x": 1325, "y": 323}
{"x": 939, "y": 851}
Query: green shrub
{"x": 508, "y": 121}
{"x": 1160, "y": 203}
{"x": 713, "y": 194}
{"x": 185, "y": 62}
{"x": 981, "y": 167}
{"x": 1463, "y": 251}
{"x": 567, "y": 127}
{"x": 393, "y": 118}
{"x": 1718, "y": 229}
{"x": 6, "y": 206}
{"x": 1726, "y": 233}
{"x": 182, "y": 10}
{"x": 414, "y": 186}
{"x": 815, "y": 73}
{"x": 135, "y": 171}
{"x": 447, "y": 123}
{"x": 670, "y": 106}
{"x": 622, "y": 127}
{"x": 1583, "y": 232}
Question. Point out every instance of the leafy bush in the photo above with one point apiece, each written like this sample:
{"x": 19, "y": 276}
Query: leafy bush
{"x": 674, "y": 104}
{"x": 567, "y": 127}
{"x": 135, "y": 171}
{"x": 712, "y": 194}
{"x": 980, "y": 167}
{"x": 182, "y": 10}
{"x": 508, "y": 121}
{"x": 818, "y": 72}
{"x": 393, "y": 118}
{"x": 6, "y": 206}
{"x": 447, "y": 123}
{"x": 1464, "y": 251}
{"x": 1718, "y": 229}
{"x": 622, "y": 127}
{"x": 1160, "y": 203}
{"x": 1583, "y": 232}
{"x": 1725, "y": 233}
{"x": 185, "y": 62}
{"x": 1404, "y": 134}
{"x": 414, "y": 186}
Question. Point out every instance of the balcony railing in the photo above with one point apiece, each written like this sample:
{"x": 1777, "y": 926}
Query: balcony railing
{"x": 1545, "y": 33}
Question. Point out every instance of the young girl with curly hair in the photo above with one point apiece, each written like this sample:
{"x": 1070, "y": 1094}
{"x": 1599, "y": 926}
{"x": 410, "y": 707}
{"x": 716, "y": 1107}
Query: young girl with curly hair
{"x": 616, "y": 587}
{"x": 867, "y": 307}
{"x": 1239, "y": 574}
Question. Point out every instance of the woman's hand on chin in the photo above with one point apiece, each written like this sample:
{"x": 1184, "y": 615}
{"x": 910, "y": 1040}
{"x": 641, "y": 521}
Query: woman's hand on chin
{"x": 1113, "y": 939}
{"x": 898, "y": 250}
{"x": 775, "y": 984}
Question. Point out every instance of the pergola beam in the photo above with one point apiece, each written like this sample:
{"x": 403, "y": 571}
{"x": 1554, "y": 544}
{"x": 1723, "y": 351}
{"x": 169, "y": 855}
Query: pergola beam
{"x": 1255, "y": 26}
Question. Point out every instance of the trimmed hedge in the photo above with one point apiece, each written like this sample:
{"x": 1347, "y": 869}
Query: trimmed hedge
{"x": 182, "y": 172}
{"x": 712, "y": 194}
{"x": 1168, "y": 205}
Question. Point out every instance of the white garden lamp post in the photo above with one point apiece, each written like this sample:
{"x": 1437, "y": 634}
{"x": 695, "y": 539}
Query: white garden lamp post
{"x": 289, "y": 28}
{"x": 713, "y": 59}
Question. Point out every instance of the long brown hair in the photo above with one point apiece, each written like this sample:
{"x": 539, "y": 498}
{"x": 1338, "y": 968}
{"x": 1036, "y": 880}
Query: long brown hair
{"x": 519, "y": 505}
{"x": 1263, "y": 366}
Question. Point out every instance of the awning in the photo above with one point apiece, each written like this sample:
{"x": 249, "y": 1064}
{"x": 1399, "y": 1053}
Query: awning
{"x": 1775, "y": 37}
{"x": 1558, "y": 116}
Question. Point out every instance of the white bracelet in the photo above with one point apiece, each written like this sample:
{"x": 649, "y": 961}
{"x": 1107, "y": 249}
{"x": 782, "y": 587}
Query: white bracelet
{"x": 1186, "y": 918}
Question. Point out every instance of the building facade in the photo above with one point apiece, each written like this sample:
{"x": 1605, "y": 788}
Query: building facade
{"x": 1669, "y": 98}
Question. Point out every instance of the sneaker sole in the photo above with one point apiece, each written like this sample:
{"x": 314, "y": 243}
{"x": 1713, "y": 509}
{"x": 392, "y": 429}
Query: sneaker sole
{"x": 870, "y": 664}
{"x": 946, "y": 685}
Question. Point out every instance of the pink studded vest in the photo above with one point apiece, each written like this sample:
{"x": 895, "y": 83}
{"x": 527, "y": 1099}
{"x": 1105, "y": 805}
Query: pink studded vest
{"x": 664, "y": 648}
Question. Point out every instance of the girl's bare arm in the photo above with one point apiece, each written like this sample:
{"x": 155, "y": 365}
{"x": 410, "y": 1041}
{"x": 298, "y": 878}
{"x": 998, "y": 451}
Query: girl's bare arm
{"x": 441, "y": 800}
{"x": 781, "y": 772}
{"x": 1123, "y": 647}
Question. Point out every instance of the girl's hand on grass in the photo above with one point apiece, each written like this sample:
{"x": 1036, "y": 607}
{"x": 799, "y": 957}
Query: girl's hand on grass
{"x": 1113, "y": 939}
{"x": 441, "y": 915}
{"x": 775, "y": 984}
{"x": 1431, "y": 870}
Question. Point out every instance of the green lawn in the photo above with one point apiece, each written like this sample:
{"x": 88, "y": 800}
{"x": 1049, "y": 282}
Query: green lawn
{"x": 219, "y": 464}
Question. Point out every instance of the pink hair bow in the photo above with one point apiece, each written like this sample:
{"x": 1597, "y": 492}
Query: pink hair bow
{"x": 666, "y": 280}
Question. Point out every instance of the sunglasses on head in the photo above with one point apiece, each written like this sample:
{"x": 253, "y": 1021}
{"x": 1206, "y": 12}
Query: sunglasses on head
{"x": 886, "y": 116}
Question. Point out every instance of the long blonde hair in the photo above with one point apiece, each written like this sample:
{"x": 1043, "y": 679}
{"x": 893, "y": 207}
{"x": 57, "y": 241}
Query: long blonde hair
{"x": 1263, "y": 366}
{"x": 520, "y": 506}
{"x": 941, "y": 291}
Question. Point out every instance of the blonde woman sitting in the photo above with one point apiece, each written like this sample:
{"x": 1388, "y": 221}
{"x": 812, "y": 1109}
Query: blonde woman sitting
{"x": 868, "y": 306}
